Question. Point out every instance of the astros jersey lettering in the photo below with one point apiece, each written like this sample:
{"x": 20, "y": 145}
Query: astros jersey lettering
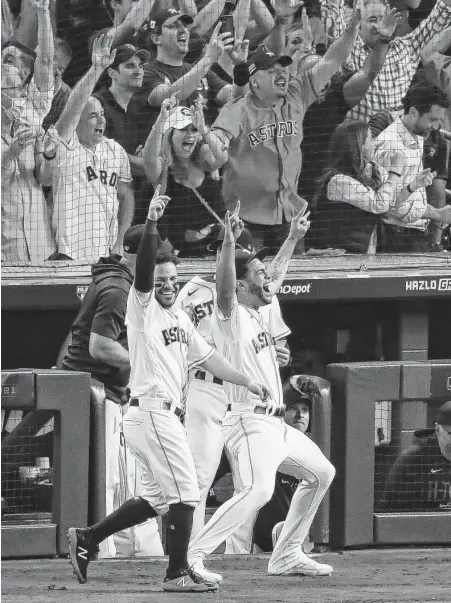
{"x": 163, "y": 346}
{"x": 245, "y": 340}
{"x": 265, "y": 153}
{"x": 198, "y": 299}
{"x": 85, "y": 184}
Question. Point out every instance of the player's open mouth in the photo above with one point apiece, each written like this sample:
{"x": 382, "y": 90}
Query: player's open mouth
{"x": 188, "y": 145}
{"x": 281, "y": 82}
{"x": 267, "y": 288}
{"x": 182, "y": 38}
{"x": 98, "y": 130}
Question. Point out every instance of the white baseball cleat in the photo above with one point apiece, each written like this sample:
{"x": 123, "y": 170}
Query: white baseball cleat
{"x": 276, "y": 533}
{"x": 309, "y": 567}
{"x": 198, "y": 567}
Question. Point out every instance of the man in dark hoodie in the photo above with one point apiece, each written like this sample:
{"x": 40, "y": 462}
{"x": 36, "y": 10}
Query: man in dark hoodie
{"x": 420, "y": 479}
{"x": 99, "y": 347}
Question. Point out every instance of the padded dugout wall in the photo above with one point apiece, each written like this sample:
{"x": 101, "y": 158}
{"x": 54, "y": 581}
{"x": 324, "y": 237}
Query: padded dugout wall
{"x": 355, "y": 389}
{"x": 65, "y": 396}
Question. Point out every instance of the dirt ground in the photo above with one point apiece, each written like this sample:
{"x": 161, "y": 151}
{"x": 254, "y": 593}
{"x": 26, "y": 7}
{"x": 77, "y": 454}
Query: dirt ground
{"x": 372, "y": 576}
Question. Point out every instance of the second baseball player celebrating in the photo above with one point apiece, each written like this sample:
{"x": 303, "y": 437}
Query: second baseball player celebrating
{"x": 163, "y": 346}
{"x": 256, "y": 437}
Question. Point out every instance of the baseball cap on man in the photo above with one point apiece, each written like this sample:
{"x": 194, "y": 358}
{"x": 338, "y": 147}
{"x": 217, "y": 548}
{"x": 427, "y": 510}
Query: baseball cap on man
{"x": 262, "y": 59}
{"x": 444, "y": 415}
{"x": 132, "y": 238}
{"x": 294, "y": 391}
{"x": 167, "y": 17}
{"x": 125, "y": 52}
{"x": 243, "y": 257}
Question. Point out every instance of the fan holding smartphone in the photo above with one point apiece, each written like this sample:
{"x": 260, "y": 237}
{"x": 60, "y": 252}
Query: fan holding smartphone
{"x": 226, "y": 19}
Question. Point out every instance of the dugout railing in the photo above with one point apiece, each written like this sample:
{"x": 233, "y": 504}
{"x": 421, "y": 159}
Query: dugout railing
{"x": 414, "y": 390}
{"x": 43, "y": 395}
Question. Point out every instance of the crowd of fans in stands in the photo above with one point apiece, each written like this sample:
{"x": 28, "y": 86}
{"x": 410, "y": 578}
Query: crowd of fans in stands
{"x": 340, "y": 108}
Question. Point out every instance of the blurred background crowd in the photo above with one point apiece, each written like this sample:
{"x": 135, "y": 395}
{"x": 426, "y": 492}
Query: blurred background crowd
{"x": 339, "y": 108}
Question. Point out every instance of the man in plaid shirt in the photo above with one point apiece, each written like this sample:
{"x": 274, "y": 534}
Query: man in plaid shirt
{"x": 403, "y": 54}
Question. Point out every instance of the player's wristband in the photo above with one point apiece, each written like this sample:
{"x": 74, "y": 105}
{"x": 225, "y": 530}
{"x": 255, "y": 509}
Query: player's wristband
{"x": 409, "y": 189}
{"x": 49, "y": 157}
{"x": 394, "y": 173}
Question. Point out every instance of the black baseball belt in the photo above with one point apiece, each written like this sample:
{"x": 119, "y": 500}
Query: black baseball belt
{"x": 164, "y": 406}
{"x": 202, "y": 375}
{"x": 260, "y": 410}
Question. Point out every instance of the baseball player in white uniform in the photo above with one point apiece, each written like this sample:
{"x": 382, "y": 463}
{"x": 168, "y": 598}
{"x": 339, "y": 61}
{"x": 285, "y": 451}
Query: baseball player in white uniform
{"x": 207, "y": 401}
{"x": 256, "y": 437}
{"x": 163, "y": 345}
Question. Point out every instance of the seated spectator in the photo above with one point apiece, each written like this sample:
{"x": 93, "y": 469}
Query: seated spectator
{"x": 122, "y": 120}
{"x": 346, "y": 90}
{"x": 61, "y": 60}
{"x": 420, "y": 479}
{"x": 435, "y": 158}
{"x": 93, "y": 195}
{"x": 26, "y": 232}
{"x": 35, "y": 68}
{"x": 424, "y": 111}
{"x": 260, "y": 135}
{"x": 354, "y": 191}
{"x": 178, "y": 155}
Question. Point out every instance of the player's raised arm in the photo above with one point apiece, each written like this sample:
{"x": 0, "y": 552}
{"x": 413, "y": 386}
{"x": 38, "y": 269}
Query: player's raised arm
{"x": 102, "y": 57}
{"x": 226, "y": 273}
{"x": 148, "y": 246}
{"x": 279, "y": 266}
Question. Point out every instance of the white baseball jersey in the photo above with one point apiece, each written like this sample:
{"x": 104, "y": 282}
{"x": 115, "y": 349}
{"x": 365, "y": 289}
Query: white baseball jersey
{"x": 246, "y": 342}
{"x": 85, "y": 184}
{"x": 163, "y": 345}
{"x": 198, "y": 299}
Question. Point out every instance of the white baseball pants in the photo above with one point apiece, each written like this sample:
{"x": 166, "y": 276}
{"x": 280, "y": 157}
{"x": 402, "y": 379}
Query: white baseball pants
{"x": 260, "y": 445}
{"x": 123, "y": 482}
{"x": 205, "y": 411}
{"x": 158, "y": 441}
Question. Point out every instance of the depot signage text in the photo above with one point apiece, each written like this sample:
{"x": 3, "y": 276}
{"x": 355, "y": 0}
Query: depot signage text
{"x": 295, "y": 289}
